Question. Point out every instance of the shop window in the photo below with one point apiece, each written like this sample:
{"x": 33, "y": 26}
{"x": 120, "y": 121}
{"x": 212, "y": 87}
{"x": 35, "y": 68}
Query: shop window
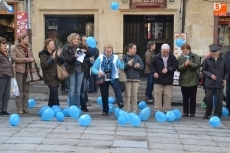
{"x": 224, "y": 33}
{"x": 59, "y": 27}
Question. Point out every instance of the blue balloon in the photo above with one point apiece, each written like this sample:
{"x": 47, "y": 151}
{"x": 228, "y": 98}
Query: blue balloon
{"x": 111, "y": 108}
{"x": 67, "y": 101}
{"x": 145, "y": 114}
{"x": 116, "y": 112}
{"x": 135, "y": 120}
{"x": 111, "y": 100}
{"x": 125, "y": 114}
{"x": 160, "y": 116}
{"x": 142, "y": 105}
{"x": 66, "y": 112}
{"x": 60, "y": 116}
{"x": 42, "y": 110}
{"x": 214, "y": 121}
{"x": 84, "y": 120}
{"x": 48, "y": 114}
{"x": 31, "y": 103}
{"x": 177, "y": 114}
{"x": 170, "y": 115}
{"x": 56, "y": 109}
{"x": 114, "y": 6}
{"x": 225, "y": 111}
{"x": 180, "y": 42}
{"x": 121, "y": 120}
{"x": 14, "y": 119}
{"x": 91, "y": 42}
{"x": 99, "y": 100}
{"x": 74, "y": 112}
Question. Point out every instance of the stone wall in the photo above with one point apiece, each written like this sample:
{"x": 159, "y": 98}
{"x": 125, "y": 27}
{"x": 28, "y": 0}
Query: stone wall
{"x": 199, "y": 25}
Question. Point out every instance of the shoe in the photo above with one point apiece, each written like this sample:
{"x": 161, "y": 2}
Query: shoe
{"x": 26, "y": 111}
{"x": 205, "y": 116}
{"x": 88, "y": 104}
{"x": 84, "y": 109}
{"x": 192, "y": 115}
{"x": 20, "y": 112}
{"x": 5, "y": 113}
{"x": 1, "y": 113}
{"x": 121, "y": 105}
{"x": 185, "y": 115}
{"x": 104, "y": 114}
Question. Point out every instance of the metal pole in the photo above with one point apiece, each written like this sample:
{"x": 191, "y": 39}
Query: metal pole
{"x": 29, "y": 20}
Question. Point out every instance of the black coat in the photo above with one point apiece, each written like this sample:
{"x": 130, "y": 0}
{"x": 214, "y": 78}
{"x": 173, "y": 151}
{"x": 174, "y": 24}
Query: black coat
{"x": 220, "y": 70}
{"x": 158, "y": 66}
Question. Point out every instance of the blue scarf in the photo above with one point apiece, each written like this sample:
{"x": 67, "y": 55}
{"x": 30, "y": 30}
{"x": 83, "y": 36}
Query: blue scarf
{"x": 107, "y": 64}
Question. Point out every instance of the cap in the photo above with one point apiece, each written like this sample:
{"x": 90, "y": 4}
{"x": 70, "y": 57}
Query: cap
{"x": 214, "y": 48}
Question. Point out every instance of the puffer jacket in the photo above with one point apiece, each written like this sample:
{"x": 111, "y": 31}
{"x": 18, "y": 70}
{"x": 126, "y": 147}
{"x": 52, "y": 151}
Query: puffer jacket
{"x": 149, "y": 55}
{"x": 132, "y": 74}
{"x": 189, "y": 74}
{"x": 158, "y": 66}
{"x": 49, "y": 68}
{"x": 19, "y": 58}
{"x": 6, "y": 69}
{"x": 220, "y": 69}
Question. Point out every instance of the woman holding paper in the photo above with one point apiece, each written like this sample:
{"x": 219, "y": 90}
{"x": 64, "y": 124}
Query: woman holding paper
{"x": 188, "y": 64}
{"x": 75, "y": 67}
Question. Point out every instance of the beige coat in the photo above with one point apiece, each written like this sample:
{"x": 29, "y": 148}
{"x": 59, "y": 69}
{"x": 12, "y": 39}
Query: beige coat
{"x": 19, "y": 58}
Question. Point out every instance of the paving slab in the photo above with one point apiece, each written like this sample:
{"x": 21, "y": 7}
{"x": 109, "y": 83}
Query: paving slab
{"x": 93, "y": 150}
{"x": 27, "y": 140}
{"x": 130, "y": 150}
{"x": 55, "y": 148}
{"x": 18, "y": 147}
{"x": 179, "y": 147}
{"x": 59, "y": 141}
{"x": 130, "y": 144}
{"x": 191, "y": 148}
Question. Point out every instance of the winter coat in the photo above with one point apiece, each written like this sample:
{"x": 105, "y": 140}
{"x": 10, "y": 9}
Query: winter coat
{"x": 49, "y": 68}
{"x": 6, "y": 69}
{"x": 149, "y": 55}
{"x": 158, "y": 66}
{"x": 220, "y": 69}
{"x": 189, "y": 74}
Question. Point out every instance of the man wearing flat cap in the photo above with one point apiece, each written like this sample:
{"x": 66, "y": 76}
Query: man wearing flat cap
{"x": 216, "y": 72}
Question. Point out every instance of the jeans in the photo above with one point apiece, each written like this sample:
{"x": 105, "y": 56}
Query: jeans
{"x": 74, "y": 92}
{"x": 228, "y": 95}
{"x": 53, "y": 97}
{"x": 84, "y": 92}
{"x": 149, "y": 86}
{"x": 105, "y": 93}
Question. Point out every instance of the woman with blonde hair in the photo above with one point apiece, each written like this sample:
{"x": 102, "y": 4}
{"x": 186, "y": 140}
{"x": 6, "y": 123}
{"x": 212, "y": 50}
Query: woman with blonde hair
{"x": 75, "y": 68}
{"x": 22, "y": 56}
{"x": 6, "y": 72}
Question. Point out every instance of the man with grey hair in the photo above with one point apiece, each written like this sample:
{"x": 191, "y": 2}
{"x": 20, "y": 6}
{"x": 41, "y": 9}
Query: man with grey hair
{"x": 164, "y": 64}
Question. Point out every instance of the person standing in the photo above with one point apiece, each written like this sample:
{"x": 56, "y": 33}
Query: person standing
{"x": 228, "y": 84}
{"x": 164, "y": 64}
{"x": 49, "y": 59}
{"x": 149, "y": 55}
{"x": 133, "y": 66}
{"x": 22, "y": 56}
{"x": 6, "y": 72}
{"x": 216, "y": 73}
{"x": 108, "y": 65}
{"x": 189, "y": 63}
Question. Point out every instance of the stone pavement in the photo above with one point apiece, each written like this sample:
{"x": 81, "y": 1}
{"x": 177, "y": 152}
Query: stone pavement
{"x": 104, "y": 135}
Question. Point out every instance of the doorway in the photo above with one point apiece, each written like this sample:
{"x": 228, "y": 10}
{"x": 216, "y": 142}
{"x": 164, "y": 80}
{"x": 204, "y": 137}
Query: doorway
{"x": 140, "y": 29}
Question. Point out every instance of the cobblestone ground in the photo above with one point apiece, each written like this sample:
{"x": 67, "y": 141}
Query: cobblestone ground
{"x": 105, "y": 135}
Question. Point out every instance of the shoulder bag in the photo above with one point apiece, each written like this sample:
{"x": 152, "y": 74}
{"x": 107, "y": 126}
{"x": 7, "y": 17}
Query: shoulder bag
{"x": 33, "y": 74}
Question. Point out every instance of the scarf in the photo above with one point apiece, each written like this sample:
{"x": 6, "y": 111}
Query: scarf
{"x": 25, "y": 50}
{"x": 107, "y": 64}
{"x": 187, "y": 56}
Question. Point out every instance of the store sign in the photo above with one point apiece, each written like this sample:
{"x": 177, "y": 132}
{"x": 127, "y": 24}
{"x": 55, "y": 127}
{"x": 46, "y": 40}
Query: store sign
{"x": 225, "y": 20}
{"x": 148, "y": 3}
{"x": 220, "y": 9}
{"x": 22, "y": 22}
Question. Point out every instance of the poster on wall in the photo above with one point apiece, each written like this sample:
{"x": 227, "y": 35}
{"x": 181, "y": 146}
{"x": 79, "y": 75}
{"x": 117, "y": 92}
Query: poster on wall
{"x": 22, "y": 22}
{"x": 179, "y": 40}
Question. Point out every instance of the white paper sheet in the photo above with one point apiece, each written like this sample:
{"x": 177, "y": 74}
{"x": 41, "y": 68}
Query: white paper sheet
{"x": 81, "y": 57}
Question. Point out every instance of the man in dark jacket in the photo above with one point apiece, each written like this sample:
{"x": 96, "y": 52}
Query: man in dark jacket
{"x": 164, "y": 64}
{"x": 216, "y": 72}
{"x": 228, "y": 84}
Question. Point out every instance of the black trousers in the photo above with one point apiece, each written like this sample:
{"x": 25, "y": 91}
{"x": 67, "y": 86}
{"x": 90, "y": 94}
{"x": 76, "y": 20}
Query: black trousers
{"x": 53, "y": 97}
{"x": 189, "y": 99}
{"x": 209, "y": 93}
